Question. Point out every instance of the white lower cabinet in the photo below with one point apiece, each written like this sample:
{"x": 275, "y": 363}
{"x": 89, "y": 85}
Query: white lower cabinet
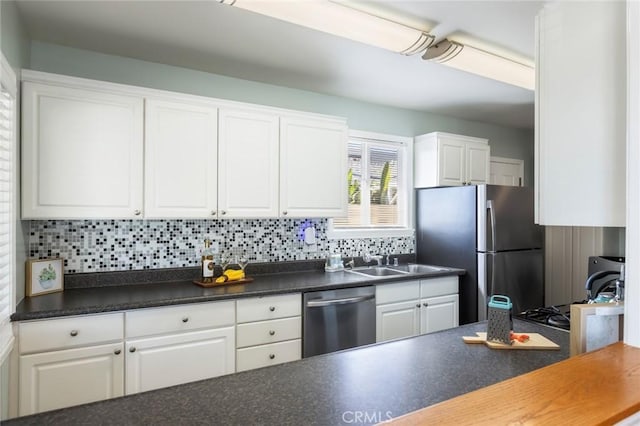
{"x": 397, "y": 320}
{"x": 269, "y": 331}
{"x": 158, "y": 362}
{"x": 179, "y": 344}
{"x": 438, "y": 313}
{"x": 70, "y": 361}
{"x": 416, "y": 307}
{"x": 80, "y": 359}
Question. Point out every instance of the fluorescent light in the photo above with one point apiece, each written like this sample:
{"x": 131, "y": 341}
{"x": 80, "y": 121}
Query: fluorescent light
{"x": 480, "y": 62}
{"x": 342, "y": 21}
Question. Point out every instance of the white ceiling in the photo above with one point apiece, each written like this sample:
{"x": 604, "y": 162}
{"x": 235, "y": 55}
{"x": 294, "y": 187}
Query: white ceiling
{"x": 222, "y": 39}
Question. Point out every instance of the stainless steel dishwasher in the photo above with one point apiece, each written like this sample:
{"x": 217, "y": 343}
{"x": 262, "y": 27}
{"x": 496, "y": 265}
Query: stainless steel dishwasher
{"x": 338, "y": 319}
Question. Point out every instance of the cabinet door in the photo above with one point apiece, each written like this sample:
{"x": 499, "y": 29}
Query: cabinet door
{"x": 248, "y": 164}
{"x": 313, "y": 167}
{"x": 397, "y": 320}
{"x": 580, "y": 137}
{"x": 477, "y": 163}
{"x": 58, "y": 379}
{"x": 81, "y": 153}
{"x": 451, "y": 163}
{"x": 439, "y": 313}
{"x": 180, "y": 160}
{"x": 163, "y": 361}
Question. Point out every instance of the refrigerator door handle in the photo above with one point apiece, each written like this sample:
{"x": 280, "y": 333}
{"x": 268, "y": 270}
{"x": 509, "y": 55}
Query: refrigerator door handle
{"x": 492, "y": 220}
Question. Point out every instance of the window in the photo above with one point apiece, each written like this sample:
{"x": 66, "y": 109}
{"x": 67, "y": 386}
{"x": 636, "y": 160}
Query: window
{"x": 379, "y": 189}
{"x": 7, "y": 190}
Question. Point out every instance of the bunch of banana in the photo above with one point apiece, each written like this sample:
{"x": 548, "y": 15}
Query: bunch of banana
{"x": 230, "y": 275}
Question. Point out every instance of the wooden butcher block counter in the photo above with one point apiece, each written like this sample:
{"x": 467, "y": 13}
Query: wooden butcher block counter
{"x": 596, "y": 388}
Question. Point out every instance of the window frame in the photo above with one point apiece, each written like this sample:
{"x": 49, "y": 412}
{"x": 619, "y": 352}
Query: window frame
{"x": 9, "y": 82}
{"x": 406, "y": 179}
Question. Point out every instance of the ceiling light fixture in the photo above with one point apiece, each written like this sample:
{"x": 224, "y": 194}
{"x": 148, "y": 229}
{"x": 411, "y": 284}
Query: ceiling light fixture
{"x": 342, "y": 21}
{"x": 480, "y": 62}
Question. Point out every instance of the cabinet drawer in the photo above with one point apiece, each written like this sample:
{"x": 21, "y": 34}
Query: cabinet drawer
{"x": 265, "y": 355}
{"x": 145, "y": 322}
{"x": 263, "y": 332}
{"x": 42, "y": 335}
{"x": 270, "y": 307}
{"x": 439, "y": 286}
{"x": 397, "y": 292}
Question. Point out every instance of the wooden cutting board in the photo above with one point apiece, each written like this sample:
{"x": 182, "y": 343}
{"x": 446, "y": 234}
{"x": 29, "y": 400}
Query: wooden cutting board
{"x": 536, "y": 341}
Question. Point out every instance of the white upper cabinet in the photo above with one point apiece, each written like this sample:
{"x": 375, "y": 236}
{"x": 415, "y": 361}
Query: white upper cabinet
{"x": 92, "y": 149}
{"x": 313, "y": 167}
{"x": 248, "y": 163}
{"x": 180, "y": 159}
{"x": 477, "y": 160}
{"x": 444, "y": 159}
{"x": 82, "y": 153}
{"x": 580, "y": 114}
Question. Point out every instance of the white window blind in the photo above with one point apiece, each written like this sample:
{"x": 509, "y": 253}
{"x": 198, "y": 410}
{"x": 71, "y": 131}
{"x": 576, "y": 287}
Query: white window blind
{"x": 7, "y": 226}
{"x": 377, "y": 190}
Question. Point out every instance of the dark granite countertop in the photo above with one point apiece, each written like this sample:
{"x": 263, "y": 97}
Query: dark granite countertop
{"x": 121, "y": 294}
{"x": 358, "y": 386}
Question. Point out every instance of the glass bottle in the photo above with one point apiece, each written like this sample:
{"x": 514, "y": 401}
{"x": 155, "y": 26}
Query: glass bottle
{"x": 207, "y": 262}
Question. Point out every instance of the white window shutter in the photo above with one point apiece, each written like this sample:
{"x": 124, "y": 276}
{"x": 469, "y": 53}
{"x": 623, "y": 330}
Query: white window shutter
{"x": 7, "y": 205}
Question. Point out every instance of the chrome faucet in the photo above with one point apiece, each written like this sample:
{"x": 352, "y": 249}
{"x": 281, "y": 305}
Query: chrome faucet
{"x": 368, "y": 257}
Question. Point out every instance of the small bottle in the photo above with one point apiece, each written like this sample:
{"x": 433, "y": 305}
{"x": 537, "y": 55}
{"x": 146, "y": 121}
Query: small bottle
{"x": 207, "y": 262}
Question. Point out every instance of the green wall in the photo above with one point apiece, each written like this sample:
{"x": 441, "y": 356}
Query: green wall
{"x": 505, "y": 142}
{"x": 14, "y": 39}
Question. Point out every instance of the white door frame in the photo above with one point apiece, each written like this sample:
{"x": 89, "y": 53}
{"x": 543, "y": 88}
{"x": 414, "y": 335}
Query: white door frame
{"x": 513, "y": 161}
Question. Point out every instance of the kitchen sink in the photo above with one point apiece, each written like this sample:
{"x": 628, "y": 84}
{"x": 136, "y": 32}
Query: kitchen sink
{"x": 376, "y": 271}
{"x": 419, "y": 269}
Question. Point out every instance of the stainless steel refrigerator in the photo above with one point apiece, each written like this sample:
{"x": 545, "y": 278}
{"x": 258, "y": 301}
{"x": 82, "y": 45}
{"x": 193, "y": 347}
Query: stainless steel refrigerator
{"x": 489, "y": 231}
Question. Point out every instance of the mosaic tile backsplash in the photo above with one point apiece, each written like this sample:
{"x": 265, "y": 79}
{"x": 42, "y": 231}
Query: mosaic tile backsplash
{"x": 119, "y": 245}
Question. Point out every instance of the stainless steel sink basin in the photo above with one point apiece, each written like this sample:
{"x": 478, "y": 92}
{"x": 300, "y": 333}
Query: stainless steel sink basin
{"x": 419, "y": 269}
{"x": 376, "y": 271}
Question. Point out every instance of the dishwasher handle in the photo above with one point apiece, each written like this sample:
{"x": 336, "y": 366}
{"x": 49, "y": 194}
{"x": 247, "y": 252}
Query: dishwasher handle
{"x": 319, "y": 303}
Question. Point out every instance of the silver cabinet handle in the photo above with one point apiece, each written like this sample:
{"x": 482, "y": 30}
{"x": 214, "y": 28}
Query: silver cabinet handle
{"x": 284, "y": 213}
{"x": 425, "y": 304}
{"x": 272, "y": 332}
{"x": 271, "y": 356}
{"x": 132, "y": 349}
{"x": 223, "y": 212}
{"x": 73, "y": 333}
{"x": 185, "y": 319}
{"x": 117, "y": 351}
{"x": 213, "y": 212}
{"x": 418, "y": 305}
{"x": 272, "y": 308}
{"x": 137, "y": 212}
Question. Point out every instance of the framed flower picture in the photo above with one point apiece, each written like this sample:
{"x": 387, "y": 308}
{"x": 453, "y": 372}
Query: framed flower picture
{"x": 44, "y": 276}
